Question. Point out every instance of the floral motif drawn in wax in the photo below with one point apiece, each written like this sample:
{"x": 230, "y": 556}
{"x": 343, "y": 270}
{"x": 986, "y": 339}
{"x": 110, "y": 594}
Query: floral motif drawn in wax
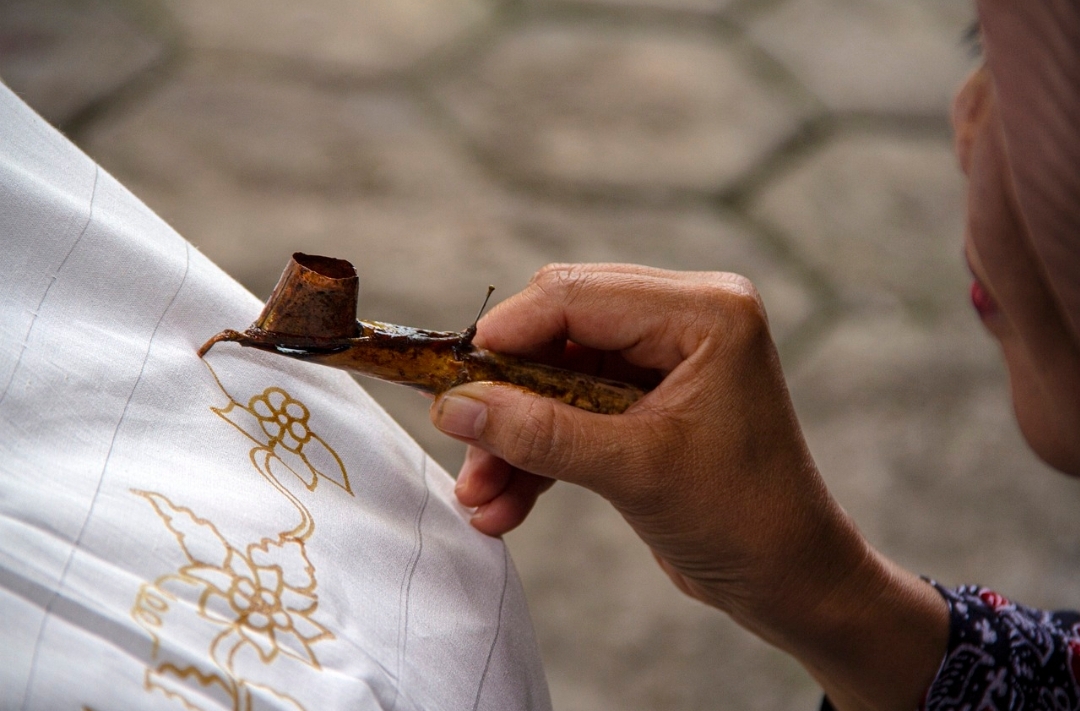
{"x": 252, "y": 604}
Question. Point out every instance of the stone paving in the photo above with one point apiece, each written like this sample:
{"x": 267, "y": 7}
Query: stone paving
{"x": 442, "y": 145}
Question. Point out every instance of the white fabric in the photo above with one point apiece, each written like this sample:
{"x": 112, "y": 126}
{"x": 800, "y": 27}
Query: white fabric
{"x": 246, "y": 532}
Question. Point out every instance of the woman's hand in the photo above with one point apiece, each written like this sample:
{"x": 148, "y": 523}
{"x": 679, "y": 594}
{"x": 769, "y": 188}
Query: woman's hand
{"x": 710, "y": 468}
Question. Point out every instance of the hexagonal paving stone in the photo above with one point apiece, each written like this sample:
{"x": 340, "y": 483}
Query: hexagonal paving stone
{"x": 881, "y": 216}
{"x": 243, "y": 166}
{"x": 872, "y": 55}
{"x": 368, "y": 37}
{"x": 62, "y": 56}
{"x": 266, "y": 135}
{"x": 609, "y": 108}
{"x": 894, "y": 361}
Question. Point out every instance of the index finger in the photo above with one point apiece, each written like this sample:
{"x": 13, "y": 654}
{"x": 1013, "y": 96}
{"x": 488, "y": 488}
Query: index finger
{"x": 655, "y": 318}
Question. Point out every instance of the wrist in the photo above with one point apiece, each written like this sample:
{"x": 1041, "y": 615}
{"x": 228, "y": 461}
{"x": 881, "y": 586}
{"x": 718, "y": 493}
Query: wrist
{"x": 870, "y": 632}
{"x": 886, "y": 650}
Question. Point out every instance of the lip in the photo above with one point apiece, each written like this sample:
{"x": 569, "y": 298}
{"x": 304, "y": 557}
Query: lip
{"x": 984, "y": 304}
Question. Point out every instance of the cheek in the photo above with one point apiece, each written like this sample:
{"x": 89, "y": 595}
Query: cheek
{"x": 993, "y": 229}
{"x": 1042, "y": 359}
{"x": 998, "y": 246}
{"x": 1049, "y": 430}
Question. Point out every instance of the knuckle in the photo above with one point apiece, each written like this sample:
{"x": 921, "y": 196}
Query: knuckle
{"x": 554, "y": 276}
{"x": 562, "y": 282}
{"x": 738, "y": 303}
{"x": 732, "y": 287}
{"x": 741, "y": 287}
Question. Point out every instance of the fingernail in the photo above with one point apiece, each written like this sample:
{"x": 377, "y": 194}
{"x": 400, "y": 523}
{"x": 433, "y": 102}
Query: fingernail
{"x": 479, "y": 513}
{"x": 461, "y": 416}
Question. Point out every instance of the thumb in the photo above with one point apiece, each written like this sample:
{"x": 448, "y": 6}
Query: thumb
{"x": 537, "y": 434}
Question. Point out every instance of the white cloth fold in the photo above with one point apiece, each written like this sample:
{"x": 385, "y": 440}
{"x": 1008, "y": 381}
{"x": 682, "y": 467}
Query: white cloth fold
{"x": 244, "y": 532}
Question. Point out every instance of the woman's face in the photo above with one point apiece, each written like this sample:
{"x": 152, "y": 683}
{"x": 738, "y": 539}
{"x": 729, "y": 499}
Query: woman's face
{"x": 1010, "y": 292}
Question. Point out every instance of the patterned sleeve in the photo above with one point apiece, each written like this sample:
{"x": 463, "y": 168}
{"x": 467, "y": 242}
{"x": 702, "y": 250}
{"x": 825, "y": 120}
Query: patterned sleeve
{"x": 1004, "y": 657}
